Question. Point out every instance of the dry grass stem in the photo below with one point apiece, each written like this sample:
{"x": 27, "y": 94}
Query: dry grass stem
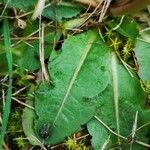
{"x": 22, "y": 103}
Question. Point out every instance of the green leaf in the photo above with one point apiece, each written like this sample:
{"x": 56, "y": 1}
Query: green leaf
{"x": 142, "y": 53}
{"x": 127, "y": 28}
{"x": 99, "y": 134}
{"x": 29, "y": 59}
{"x": 27, "y": 122}
{"x": 29, "y": 54}
{"x": 22, "y": 4}
{"x": 74, "y": 23}
{"x": 62, "y": 10}
{"x": 28, "y": 118}
{"x": 117, "y": 108}
{"x": 78, "y": 74}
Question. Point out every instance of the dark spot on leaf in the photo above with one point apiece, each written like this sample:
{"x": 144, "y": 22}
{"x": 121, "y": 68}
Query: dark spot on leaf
{"x": 44, "y": 131}
{"x": 103, "y": 68}
{"x": 58, "y": 73}
{"x": 86, "y": 99}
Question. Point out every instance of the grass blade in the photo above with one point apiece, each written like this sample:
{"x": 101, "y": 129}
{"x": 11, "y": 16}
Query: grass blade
{"x": 6, "y": 110}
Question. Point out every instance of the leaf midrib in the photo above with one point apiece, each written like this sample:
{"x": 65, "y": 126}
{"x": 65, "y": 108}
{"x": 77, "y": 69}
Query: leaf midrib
{"x": 76, "y": 72}
{"x": 115, "y": 90}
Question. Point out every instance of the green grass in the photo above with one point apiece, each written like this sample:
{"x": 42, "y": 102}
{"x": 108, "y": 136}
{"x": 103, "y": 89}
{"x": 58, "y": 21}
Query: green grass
{"x": 6, "y": 109}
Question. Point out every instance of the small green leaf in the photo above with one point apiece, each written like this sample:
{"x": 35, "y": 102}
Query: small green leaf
{"x": 22, "y": 4}
{"x": 99, "y": 134}
{"x": 74, "y": 23}
{"x": 27, "y": 123}
{"x": 142, "y": 53}
{"x": 62, "y": 10}
{"x": 29, "y": 59}
{"x": 29, "y": 54}
{"x": 127, "y": 28}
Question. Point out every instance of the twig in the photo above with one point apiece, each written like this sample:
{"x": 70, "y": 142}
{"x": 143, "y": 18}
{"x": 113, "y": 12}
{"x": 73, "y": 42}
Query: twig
{"x": 41, "y": 51}
{"x": 100, "y": 34}
{"x": 143, "y": 144}
{"x": 133, "y": 133}
{"x": 28, "y": 44}
{"x": 148, "y": 123}
{"x": 146, "y": 29}
{"x": 22, "y": 38}
{"x": 5, "y": 8}
{"x": 118, "y": 25}
{"x": 37, "y": 140}
{"x": 5, "y": 146}
{"x": 1, "y": 118}
{"x": 90, "y": 14}
{"x": 4, "y": 79}
{"x": 19, "y": 91}
{"x": 14, "y": 131}
{"x": 81, "y": 137}
{"x": 87, "y": 2}
{"x": 55, "y": 146}
{"x": 134, "y": 127}
{"x": 104, "y": 10}
{"x": 38, "y": 9}
{"x": 20, "y": 138}
{"x": 125, "y": 65}
{"x": 143, "y": 40}
{"x": 33, "y": 33}
{"x": 110, "y": 129}
{"x": 15, "y": 99}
